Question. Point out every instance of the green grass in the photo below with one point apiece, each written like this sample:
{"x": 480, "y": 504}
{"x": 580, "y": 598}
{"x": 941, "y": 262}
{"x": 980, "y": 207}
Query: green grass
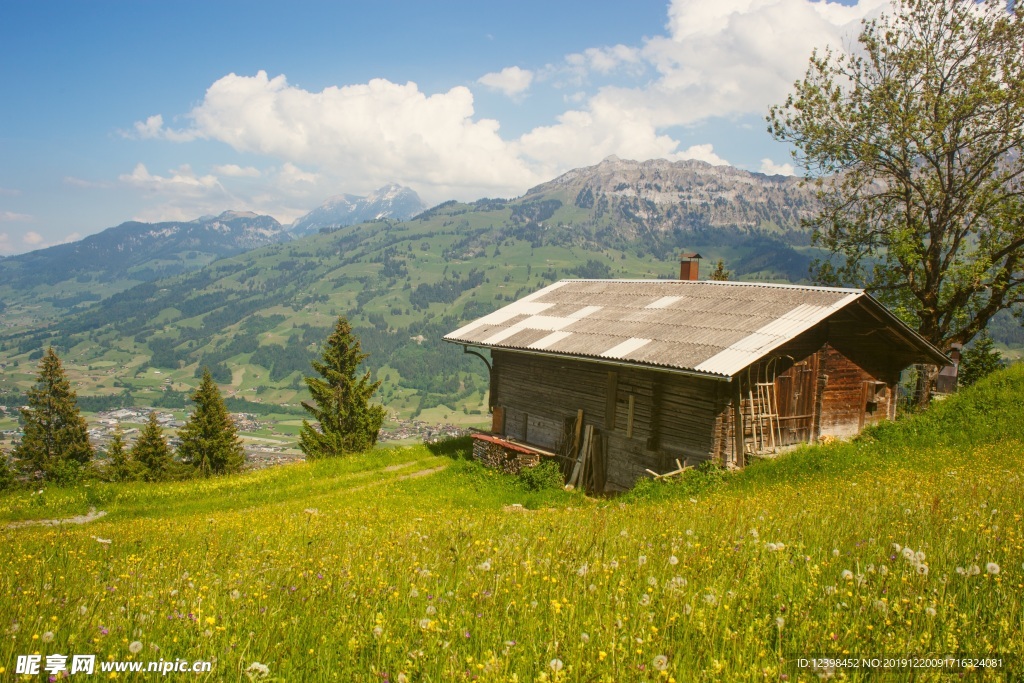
{"x": 353, "y": 570}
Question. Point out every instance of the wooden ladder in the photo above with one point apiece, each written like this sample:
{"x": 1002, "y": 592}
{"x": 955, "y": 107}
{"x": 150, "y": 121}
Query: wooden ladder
{"x": 764, "y": 416}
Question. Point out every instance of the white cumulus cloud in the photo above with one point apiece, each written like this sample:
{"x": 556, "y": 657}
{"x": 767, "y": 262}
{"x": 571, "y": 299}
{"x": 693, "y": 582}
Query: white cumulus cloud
{"x": 769, "y": 167}
{"x": 12, "y": 217}
{"x": 33, "y": 238}
{"x": 181, "y": 181}
{"x": 236, "y": 171}
{"x": 512, "y": 81}
{"x": 716, "y": 60}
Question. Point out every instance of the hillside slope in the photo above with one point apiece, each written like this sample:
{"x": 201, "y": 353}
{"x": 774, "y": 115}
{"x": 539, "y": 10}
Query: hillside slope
{"x": 65, "y": 276}
{"x": 905, "y": 543}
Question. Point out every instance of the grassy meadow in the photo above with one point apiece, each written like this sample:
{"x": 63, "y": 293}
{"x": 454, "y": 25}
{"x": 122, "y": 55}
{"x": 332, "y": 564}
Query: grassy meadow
{"x": 415, "y": 564}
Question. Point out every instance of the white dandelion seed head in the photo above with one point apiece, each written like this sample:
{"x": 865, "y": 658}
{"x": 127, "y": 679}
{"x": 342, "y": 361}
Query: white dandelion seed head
{"x": 556, "y": 664}
{"x": 992, "y": 568}
{"x": 883, "y": 570}
{"x": 961, "y": 570}
{"x": 753, "y": 532}
{"x": 645, "y": 599}
{"x": 908, "y": 554}
{"x": 582, "y": 571}
{"x": 624, "y": 533}
{"x": 689, "y": 532}
{"x": 847, "y": 575}
{"x": 919, "y": 555}
{"x": 921, "y": 569}
{"x": 257, "y": 671}
{"x": 591, "y": 588}
{"x": 83, "y": 610}
{"x": 652, "y": 581}
{"x": 377, "y": 631}
{"x": 485, "y": 566}
{"x": 974, "y": 570}
{"x": 431, "y": 610}
{"x": 897, "y": 547}
{"x": 673, "y": 560}
{"x": 424, "y": 623}
{"x": 48, "y": 637}
{"x": 585, "y": 637}
{"x": 835, "y": 552}
{"x": 881, "y": 606}
{"x": 687, "y": 609}
{"x": 642, "y": 560}
{"x": 710, "y": 598}
{"x": 780, "y": 622}
{"x": 401, "y": 678}
{"x": 660, "y": 663}
{"x": 135, "y": 647}
{"x": 930, "y": 611}
{"x": 413, "y": 593}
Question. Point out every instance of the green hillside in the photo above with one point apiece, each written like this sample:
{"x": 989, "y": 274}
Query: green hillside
{"x": 417, "y": 565}
{"x": 255, "y": 319}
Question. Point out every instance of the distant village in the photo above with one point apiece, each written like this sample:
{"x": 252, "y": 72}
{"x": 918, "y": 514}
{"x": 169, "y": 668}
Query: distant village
{"x": 259, "y": 453}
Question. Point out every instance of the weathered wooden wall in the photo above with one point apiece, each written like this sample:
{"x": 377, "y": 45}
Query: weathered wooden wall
{"x": 853, "y": 397}
{"x": 649, "y": 418}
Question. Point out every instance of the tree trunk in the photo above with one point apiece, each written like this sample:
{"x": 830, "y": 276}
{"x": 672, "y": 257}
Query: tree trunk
{"x": 926, "y": 375}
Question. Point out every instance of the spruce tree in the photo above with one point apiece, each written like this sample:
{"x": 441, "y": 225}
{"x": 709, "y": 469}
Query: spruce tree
{"x": 120, "y": 465}
{"x": 209, "y": 440}
{"x": 55, "y": 436}
{"x": 979, "y": 360}
{"x": 346, "y": 422}
{"x": 6, "y": 474}
{"x": 152, "y": 452}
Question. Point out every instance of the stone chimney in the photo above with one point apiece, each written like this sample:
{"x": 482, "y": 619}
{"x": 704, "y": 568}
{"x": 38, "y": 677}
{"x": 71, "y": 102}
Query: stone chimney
{"x": 689, "y": 266}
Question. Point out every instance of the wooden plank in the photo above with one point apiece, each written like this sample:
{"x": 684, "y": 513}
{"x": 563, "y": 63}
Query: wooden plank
{"x": 629, "y": 417}
{"x": 498, "y": 420}
{"x": 610, "y": 392}
{"x": 576, "y": 435}
{"x": 601, "y": 451}
{"x": 575, "y": 477}
{"x": 737, "y": 423}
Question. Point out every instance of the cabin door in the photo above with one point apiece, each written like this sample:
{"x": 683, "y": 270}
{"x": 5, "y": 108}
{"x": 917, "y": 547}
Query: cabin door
{"x": 795, "y": 391}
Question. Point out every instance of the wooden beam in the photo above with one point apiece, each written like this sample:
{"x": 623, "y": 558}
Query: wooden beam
{"x": 629, "y": 417}
{"x": 611, "y": 390}
{"x": 737, "y": 422}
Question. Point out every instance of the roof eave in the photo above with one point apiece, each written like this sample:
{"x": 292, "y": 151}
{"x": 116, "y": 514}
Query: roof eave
{"x": 595, "y": 359}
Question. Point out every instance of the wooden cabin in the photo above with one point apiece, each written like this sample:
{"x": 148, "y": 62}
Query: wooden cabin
{"x": 684, "y": 370}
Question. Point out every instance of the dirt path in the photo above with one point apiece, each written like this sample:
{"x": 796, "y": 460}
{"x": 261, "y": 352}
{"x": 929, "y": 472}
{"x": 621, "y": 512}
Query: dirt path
{"x": 90, "y": 516}
{"x": 421, "y": 473}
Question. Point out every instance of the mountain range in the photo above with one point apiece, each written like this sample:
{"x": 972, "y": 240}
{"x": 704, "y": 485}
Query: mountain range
{"x": 391, "y": 201}
{"x": 256, "y": 316}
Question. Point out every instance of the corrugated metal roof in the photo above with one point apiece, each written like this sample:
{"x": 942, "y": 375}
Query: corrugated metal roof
{"x": 714, "y": 328}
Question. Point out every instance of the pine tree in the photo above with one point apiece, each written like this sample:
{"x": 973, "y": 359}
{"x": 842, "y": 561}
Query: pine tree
{"x": 720, "y": 273}
{"x": 120, "y": 465}
{"x": 979, "y": 360}
{"x": 152, "y": 452}
{"x": 55, "y": 436}
{"x": 346, "y": 422}
{"x": 209, "y": 440}
{"x": 6, "y": 474}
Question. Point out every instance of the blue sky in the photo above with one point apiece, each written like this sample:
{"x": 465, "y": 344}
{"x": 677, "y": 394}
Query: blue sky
{"x": 114, "y": 111}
